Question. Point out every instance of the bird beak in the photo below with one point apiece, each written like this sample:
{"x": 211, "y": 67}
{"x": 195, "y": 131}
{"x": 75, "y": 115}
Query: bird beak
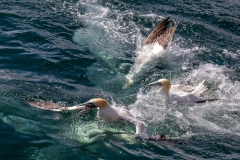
{"x": 155, "y": 84}
{"x": 87, "y": 107}
{"x": 88, "y": 104}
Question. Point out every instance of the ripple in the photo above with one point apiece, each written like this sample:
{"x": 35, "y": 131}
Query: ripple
{"x": 71, "y": 51}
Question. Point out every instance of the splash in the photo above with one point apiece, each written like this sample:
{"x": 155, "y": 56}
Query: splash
{"x": 218, "y": 79}
{"x": 187, "y": 119}
{"x": 173, "y": 59}
{"x": 146, "y": 59}
{"x": 109, "y": 40}
{"x": 106, "y": 38}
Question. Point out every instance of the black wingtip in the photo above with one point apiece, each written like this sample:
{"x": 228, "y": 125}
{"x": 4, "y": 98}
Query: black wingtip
{"x": 207, "y": 100}
{"x": 163, "y": 138}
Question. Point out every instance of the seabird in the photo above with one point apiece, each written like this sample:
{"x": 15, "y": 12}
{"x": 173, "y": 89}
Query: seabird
{"x": 105, "y": 112}
{"x": 155, "y": 44}
{"x": 162, "y": 34}
{"x": 181, "y": 93}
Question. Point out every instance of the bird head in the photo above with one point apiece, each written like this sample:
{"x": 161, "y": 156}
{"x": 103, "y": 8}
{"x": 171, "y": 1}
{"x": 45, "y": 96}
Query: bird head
{"x": 163, "y": 83}
{"x": 96, "y": 102}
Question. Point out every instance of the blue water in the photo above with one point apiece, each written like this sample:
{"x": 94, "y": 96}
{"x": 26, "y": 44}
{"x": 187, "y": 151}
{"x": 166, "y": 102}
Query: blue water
{"x": 74, "y": 50}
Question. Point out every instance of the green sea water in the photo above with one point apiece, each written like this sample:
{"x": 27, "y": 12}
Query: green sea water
{"x": 74, "y": 50}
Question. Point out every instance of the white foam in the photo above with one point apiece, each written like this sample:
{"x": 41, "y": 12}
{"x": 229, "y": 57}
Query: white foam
{"x": 217, "y": 76}
{"x": 151, "y": 106}
{"x": 146, "y": 59}
{"x": 173, "y": 58}
{"x": 108, "y": 38}
{"x": 97, "y": 17}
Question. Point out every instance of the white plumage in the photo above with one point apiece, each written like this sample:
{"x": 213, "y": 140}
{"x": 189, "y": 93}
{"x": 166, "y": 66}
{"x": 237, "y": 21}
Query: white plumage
{"x": 181, "y": 93}
{"x": 105, "y": 112}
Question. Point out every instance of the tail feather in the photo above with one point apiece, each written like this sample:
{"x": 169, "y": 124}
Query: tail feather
{"x": 128, "y": 83}
{"x": 200, "y": 88}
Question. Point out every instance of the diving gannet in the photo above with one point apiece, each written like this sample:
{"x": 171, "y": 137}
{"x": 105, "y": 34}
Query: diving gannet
{"x": 153, "y": 49}
{"x": 181, "y": 93}
{"x": 105, "y": 112}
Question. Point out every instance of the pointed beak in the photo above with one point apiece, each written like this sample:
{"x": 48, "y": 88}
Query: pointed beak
{"x": 87, "y": 107}
{"x": 155, "y": 84}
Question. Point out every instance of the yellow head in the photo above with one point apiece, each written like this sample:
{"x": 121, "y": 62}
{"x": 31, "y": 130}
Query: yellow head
{"x": 98, "y": 102}
{"x": 164, "y": 83}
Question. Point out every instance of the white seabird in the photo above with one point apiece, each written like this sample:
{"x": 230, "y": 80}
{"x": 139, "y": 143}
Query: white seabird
{"x": 181, "y": 93}
{"x": 105, "y": 112}
{"x": 153, "y": 49}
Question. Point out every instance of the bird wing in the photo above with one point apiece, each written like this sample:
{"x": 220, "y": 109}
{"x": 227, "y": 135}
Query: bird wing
{"x": 200, "y": 88}
{"x": 54, "y": 106}
{"x": 186, "y": 93}
{"x": 167, "y": 36}
{"x": 161, "y": 34}
{"x": 160, "y": 29}
{"x": 186, "y": 88}
{"x": 141, "y": 127}
{"x": 185, "y": 98}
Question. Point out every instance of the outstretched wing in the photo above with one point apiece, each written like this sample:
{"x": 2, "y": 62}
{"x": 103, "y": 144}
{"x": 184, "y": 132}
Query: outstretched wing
{"x": 162, "y": 34}
{"x": 167, "y": 36}
{"x": 160, "y": 29}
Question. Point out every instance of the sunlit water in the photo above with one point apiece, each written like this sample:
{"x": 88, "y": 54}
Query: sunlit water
{"x": 72, "y": 51}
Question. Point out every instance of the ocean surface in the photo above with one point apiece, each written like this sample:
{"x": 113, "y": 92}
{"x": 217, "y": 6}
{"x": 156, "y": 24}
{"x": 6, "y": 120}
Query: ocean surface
{"x": 69, "y": 51}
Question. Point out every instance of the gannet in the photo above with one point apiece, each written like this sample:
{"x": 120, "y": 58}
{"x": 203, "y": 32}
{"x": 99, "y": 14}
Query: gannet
{"x": 153, "y": 49}
{"x": 105, "y": 112}
{"x": 181, "y": 93}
